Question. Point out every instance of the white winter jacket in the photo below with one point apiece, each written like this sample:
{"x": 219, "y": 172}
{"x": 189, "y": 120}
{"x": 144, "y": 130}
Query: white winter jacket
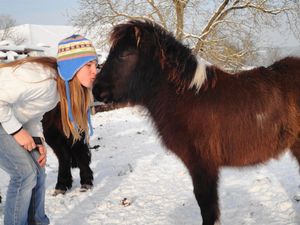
{"x": 26, "y": 93}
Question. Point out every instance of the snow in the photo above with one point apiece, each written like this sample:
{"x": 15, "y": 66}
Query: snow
{"x": 139, "y": 182}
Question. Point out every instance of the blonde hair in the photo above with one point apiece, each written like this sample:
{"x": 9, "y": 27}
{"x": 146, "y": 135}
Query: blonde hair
{"x": 81, "y": 98}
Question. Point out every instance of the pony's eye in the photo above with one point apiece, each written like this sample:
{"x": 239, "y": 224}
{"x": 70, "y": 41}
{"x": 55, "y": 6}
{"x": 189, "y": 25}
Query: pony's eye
{"x": 125, "y": 54}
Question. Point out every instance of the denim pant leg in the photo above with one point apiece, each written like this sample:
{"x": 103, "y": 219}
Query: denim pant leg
{"x": 24, "y": 178}
{"x": 36, "y": 213}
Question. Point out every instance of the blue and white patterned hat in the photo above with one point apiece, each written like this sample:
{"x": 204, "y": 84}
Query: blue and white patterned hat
{"x": 73, "y": 53}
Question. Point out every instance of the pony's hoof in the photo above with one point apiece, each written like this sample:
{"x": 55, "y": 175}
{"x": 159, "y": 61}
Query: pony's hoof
{"x": 58, "y": 192}
{"x": 85, "y": 187}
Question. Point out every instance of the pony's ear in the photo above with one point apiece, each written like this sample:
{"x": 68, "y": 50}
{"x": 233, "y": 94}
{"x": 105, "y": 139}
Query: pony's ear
{"x": 138, "y": 34}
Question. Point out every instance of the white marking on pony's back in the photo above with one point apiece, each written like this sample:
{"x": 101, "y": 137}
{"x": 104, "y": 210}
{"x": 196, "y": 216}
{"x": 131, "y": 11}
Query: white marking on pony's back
{"x": 200, "y": 74}
{"x": 260, "y": 118}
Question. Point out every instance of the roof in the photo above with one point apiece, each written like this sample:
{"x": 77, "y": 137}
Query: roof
{"x": 44, "y": 37}
{"x": 21, "y": 48}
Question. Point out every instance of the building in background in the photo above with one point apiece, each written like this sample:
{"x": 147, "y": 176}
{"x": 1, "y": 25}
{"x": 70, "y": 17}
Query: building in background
{"x": 39, "y": 40}
{"x": 10, "y": 52}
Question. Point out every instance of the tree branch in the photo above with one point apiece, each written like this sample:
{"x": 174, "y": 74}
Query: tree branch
{"x": 212, "y": 20}
{"x": 157, "y": 11}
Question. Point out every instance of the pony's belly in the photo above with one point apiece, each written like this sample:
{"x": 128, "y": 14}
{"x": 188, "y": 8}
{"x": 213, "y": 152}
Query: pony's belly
{"x": 252, "y": 157}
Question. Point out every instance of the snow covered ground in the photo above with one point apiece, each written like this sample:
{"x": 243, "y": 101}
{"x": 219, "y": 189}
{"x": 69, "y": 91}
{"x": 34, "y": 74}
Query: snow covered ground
{"x": 138, "y": 182}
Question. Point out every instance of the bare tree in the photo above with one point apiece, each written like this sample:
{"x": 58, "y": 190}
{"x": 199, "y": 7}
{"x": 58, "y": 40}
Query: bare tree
{"x": 7, "y": 31}
{"x": 6, "y": 23}
{"x": 222, "y": 31}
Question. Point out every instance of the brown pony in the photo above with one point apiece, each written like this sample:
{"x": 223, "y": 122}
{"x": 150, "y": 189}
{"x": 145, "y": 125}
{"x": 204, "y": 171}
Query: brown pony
{"x": 207, "y": 117}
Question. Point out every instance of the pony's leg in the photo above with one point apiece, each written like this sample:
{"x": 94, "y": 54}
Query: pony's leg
{"x": 82, "y": 155}
{"x": 205, "y": 181}
{"x": 61, "y": 148}
{"x": 295, "y": 149}
{"x": 64, "y": 178}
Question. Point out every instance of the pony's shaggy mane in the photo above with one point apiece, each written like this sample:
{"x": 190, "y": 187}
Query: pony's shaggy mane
{"x": 176, "y": 59}
{"x": 183, "y": 68}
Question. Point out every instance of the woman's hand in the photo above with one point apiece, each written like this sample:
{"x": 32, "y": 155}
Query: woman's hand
{"x": 43, "y": 157}
{"x": 24, "y": 139}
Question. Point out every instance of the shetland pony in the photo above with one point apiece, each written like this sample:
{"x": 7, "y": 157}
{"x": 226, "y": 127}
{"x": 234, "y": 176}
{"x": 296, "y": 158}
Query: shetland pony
{"x": 207, "y": 117}
{"x": 69, "y": 155}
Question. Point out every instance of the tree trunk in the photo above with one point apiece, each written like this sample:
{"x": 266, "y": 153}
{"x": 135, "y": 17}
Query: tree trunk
{"x": 179, "y": 6}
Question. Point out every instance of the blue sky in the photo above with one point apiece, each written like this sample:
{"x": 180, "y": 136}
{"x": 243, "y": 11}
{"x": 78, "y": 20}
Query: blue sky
{"x": 44, "y": 12}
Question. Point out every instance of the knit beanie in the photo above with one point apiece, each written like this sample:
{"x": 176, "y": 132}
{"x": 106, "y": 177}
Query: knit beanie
{"x": 73, "y": 53}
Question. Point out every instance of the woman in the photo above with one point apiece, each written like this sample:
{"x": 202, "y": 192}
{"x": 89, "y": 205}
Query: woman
{"x": 29, "y": 88}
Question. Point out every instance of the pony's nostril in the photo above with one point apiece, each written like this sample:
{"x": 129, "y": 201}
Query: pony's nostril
{"x": 100, "y": 95}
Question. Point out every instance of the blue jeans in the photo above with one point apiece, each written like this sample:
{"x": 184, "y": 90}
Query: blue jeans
{"x": 25, "y": 199}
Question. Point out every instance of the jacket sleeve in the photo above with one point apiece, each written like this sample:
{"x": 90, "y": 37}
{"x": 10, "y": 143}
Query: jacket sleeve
{"x": 22, "y": 92}
{"x": 34, "y": 127}
{"x": 9, "y": 93}
{"x": 7, "y": 119}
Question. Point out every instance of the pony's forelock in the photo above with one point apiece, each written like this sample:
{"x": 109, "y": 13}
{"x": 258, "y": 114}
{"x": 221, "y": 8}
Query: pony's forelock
{"x": 200, "y": 75}
{"x": 135, "y": 26}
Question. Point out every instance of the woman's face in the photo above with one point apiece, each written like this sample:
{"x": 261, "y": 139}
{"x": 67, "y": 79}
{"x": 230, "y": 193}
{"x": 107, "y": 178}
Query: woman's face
{"x": 87, "y": 74}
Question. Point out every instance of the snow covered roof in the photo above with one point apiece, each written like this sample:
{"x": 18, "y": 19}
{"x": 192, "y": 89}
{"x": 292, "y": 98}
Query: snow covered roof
{"x": 10, "y": 52}
{"x": 45, "y": 37}
{"x": 21, "y": 48}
